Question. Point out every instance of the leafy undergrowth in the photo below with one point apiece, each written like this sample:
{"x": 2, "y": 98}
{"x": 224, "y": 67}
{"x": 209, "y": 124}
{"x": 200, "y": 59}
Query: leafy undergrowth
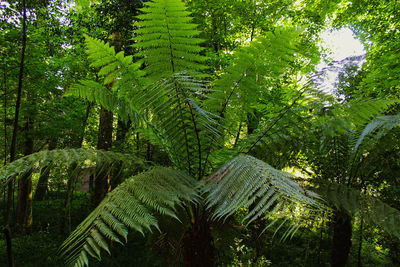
{"x": 235, "y": 246}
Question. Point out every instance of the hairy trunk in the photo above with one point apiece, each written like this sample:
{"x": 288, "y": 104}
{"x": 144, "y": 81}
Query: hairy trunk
{"x": 341, "y": 239}
{"x": 198, "y": 248}
{"x": 41, "y": 188}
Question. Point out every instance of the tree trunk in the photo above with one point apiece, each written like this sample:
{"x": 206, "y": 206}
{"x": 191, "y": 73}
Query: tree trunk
{"x": 104, "y": 141}
{"x": 122, "y": 130}
{"x": 24, "y": 203}
{"x": 10, "y": 190}
{"x": 101, "y": 183}
{"x": 198, "y": 248}
{"x": 66, "y": 215}
{"x": 41, "y": 188}
{"x": 342, "y": 230}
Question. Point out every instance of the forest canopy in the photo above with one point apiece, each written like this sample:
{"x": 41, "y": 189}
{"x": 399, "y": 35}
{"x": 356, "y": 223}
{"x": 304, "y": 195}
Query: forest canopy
{"x": 198, "y": 133}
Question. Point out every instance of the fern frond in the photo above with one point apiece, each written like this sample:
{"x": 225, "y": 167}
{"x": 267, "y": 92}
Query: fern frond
{"x": 168, "y": 40}
{"x": 246, "y": 181}
{"x": 178, "y": 119}
{"x": 65, "y": 157}
{"x": 354, "y": 202}
{"x": 381, "y": 125}
{"x": 134, "y": 204}
{"x": 117, "y": 69}
{"x": 99, "y": 94}
{"x": 256, "y": 70}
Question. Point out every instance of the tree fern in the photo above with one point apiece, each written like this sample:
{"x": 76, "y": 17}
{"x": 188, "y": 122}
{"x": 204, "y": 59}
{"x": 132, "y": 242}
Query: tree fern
{"x": 132, "y": 205}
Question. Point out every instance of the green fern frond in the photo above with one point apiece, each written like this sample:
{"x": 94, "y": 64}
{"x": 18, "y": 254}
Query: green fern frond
{"x": 183, "y": 127}
{"x": 354, "y": 202}
{"x": 256, "y": 70}
{"x": 117, "y": 69}
{"x": 134, "y": 204}
{"x": 381, "y": 125}
{"x": 65, "y": 157}
{"x": 99, "y": 94}
{"x": 246, "y": 181}
{"x": 167, "y": 39}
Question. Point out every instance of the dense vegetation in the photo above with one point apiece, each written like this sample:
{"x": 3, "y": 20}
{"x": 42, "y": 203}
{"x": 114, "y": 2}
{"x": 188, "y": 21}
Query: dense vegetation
{"x": 198, "y": 133}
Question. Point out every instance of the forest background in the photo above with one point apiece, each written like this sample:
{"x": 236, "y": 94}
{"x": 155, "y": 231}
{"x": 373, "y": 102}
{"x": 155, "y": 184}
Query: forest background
{"x": 247, "y": 103}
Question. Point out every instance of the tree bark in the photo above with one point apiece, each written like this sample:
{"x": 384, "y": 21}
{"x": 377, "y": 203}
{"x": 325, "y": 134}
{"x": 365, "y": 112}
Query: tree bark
{"x": 198, "y": 248}
{"x": 342, "y": 230}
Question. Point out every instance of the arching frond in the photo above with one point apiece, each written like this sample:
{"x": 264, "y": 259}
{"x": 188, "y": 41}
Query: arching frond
{"x": 168, "y": 40}
{"x": 246, "y": 181}
{"x": 134, "y": 205}
{"x": 354, "y": 202}
{"x": 65, "y": 157}
{"x": 179, "y": 121}
{"x": 117, "y": 69}
{"x": 255, "y": 72}
{"x": 99, "y": 94}
{"x": 381, "y": 125}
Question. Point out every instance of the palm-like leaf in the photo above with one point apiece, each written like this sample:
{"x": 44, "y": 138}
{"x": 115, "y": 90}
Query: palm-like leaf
{"x": 134, "y": 204}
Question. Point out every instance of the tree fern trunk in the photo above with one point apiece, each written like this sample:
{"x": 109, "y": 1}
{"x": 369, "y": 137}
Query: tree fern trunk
{"x": 198, "y": 248}
{"x": 342, "y": 230}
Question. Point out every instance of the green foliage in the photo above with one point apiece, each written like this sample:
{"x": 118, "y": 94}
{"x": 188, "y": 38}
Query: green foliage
{"x": 248, "y": 182}
{"x": 130, "y": 205}
{"x": 67, "y": 157}
{"x": 380, "y": 125}
{"x": 371, "y": 209}
{"x": 167, "y": 40}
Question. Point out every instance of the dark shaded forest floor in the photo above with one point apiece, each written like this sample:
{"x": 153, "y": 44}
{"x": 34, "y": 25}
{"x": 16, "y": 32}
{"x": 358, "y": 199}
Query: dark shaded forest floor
{"x": 39, "y": 248}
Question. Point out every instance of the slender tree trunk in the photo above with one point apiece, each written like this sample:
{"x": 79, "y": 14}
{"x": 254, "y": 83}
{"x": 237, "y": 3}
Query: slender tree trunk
{"x": 360, "y": 240}
{"x": 122, "y": 131}
{"x": 198, "y": 248}
{"x": 342, "y": 230}
{"x": 66, "y": 216}
{"x": 10, "y": 190}
{"x": 101, "y": 182}
{"x": 24, "y": 203}
{"x": 41, "y": 188}
{"x": 104, "y": 141}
